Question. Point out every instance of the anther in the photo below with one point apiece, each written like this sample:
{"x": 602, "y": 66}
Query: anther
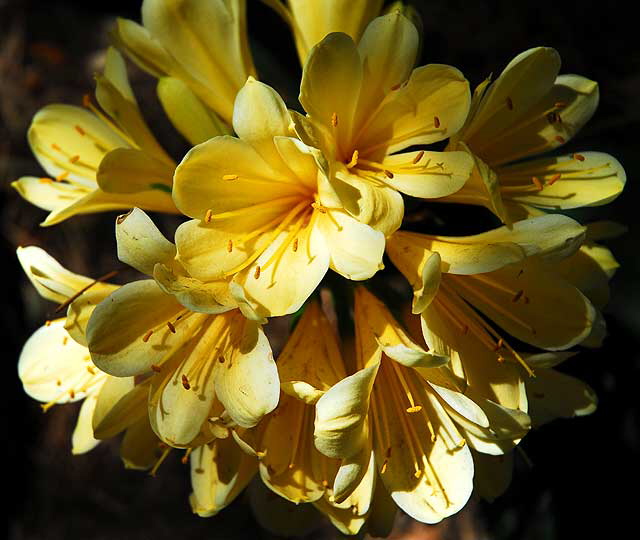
{"x": 418, "y": 157}
{"x": 325, "y": 484}
{"x": 578, "y": 157}
{"x": 146, "y": 337}
{"x": 91, "y": 370}
{"x": 230, "y": 246}
{"x": 221, "y": 359}
{"x": 536, "y": 182}
{"x": 230, "y": 177}
{"x": 45, "y": 180}
{"x": 256, "y": 274}
{"x": 383, "y": 469}
{"x": 295, "y": 245}
{"x": 72, "y": 393}
{"x": 56, "y": 147}
{"x": 517, "y": 296}
{"x": 185, "y": 382}
{"x": 509, "y": 104}
{"x": 65, "y": 340}
{"x": 395, "y": 87}
{"x": 436, "y": 122}
{"x": 334, "y": 119}
{"x": 62, "y": 176}
{"x": 172, "y": 328}
{"x": 417, "y": 474}
{"x": 499, "y": 345}
{"x": 388, "y": 174}
{"x": 560, "y": 139}
{"x": 354, "y": 159}
{"x": 74, "y": 159}
{"x": 414, "y": 409}
{"x": 560, "y": 104}
{"x": 207, "y": 216}
{"x": 501, "y": 359}
{"x": 80, "y": 130}
{"x": 86, "y": 100}
{"x": 554, "y": 178}
{"x": 156, "y": 368}
{"x": 319, "y": 207}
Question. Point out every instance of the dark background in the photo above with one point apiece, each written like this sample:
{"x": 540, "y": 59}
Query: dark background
{"x": 581, "y": 482}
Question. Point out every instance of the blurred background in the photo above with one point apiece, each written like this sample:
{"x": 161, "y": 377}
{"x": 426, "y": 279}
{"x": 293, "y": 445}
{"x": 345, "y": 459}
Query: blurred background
{"x": 579, "y": 479}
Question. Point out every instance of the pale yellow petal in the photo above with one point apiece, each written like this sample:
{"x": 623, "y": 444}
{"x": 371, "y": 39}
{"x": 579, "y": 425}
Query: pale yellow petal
{"x": 82, "y": 439}
{"x": 188, "y": 114}
{"x": 570, "y": 181}
{"x": 128, "y": 332}
{"x": 219, "y": 472}
{"x": 432, "y": 106}
{"x": 111, "y": 392}
{"x": 53, "y": 368}
{"x": 492, "y": 474}
{"x": 125, "y": 170}
{"x": 140, "y": 243}
{"x": 356, "y": 249}
{"x": 80, "y": 310}
{"x": 341, "y": 414}
{"x": 46, "y": 193}
{"x": 139, "y": 448}
{"x": 122, "y": 413}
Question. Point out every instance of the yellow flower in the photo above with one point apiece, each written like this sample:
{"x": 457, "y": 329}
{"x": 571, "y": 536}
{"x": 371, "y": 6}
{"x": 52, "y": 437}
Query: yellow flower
{"x": 504, "y": 274}
{"x": 55, "y": 366}
{"x": 262, "y": 215}
{"x": 400, "y": 405}
{"x": 312, "y": 20}
{"x": 207, "y": 371}
{"x": 97, "y": 161}
{"x": 290, "y": 465}
{"x": 365, "y": 104}
{"x": 201, "y": 43}
{"x": 528, "y": 110}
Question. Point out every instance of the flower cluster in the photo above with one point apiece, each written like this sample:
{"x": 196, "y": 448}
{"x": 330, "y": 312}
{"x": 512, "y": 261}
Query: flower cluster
{"x": 421, "y": 397}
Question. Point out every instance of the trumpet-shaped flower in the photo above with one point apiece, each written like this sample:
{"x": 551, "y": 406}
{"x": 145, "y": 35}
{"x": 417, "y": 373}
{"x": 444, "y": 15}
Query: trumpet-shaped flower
{"x": 365, "y": 104}
{"x": 98, "y": 161}
{"x": 262, "y": 215}
{"x": 201, "y": 43}
{"x": 311, "y": 21}
{"x": 55, "y": 366}
{"x": 399, "y": 404}
{"x": 208, "y": 371}
{"x": 527, "y": 111}
{"x": 290, "y": 465}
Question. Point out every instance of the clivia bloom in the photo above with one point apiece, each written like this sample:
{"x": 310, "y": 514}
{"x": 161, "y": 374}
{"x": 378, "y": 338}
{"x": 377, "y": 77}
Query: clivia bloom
{"x": 201, "y": 44}
{"x": 365, "y": 104}
{"x": 527, "y": 111}
{"x": 55, "y": 366}
{"x": 98, "y": 161}
{"x": 290, "y": 465}
{"x": 260, "y": 213}
{"x": 207, "y": 373}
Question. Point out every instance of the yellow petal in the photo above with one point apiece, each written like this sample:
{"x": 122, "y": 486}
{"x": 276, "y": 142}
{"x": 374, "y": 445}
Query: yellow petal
{"x": 139, "y": 448}
{"x": 435, "y": 95}
{"x": 119, "y": 326}
{"x": 388, "y": 51}
{"x": 55, "y": 139}
{"x": 286, "y": 277}
{"x": 586, "y": 179}
{"x": 196, "y": 122}
{"x": 438, "y": 174}
{"x": 48, "y": 276}
{"x": 492, "y": 474}
{"x": 140, "y": 243}
{"x": 330, "y": 86}
{"x": 247, "y": 383}
{"x": 80, "y": 310}
{"x": 522, "y": 84}
{"x": 53, "y": 367}
{"x": 550, "y": 123}
{"x": 375, "y": 323}
{"x": 82, "y": 439}
{"x": 311, "y": 21}
{"x": 356, "y": 249}
{"x": 47, "y": 194}
{"x": 236, "y": 178}
{"x": 117, "y": 415}
{"x": 191, "y": 31}
{"x": 555, "y": 395}
{"x": 125, "y": 170}
{"x": 341, "y": 414}
{"x": 550, "y": 313}
{"x": 219, "y": 472}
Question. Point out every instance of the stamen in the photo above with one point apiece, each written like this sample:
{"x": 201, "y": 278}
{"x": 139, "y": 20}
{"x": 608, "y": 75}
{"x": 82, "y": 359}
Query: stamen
{"x": 230, "y": 177}
{"x": 172, "y": 328}
{"x": 80, "y": 130}
{"x": 256, "y": 274}
{"x": 71, "y": 299}
{"x": 517, "y": 296}
{"x": 436, "y": 122}
{"x": 578, "y": 157}
{"x": 334, "y": 119}
{"x": 509, "y": 103}
{"x": 388, "y": 173}
{"x": 185, "y": 459}
{"x": 146, "y": 337}
{"x": 537, "y": 183}
{"x": 185, "y": 382}
{"x": 230, "y": 246}
{"x": 164, "y": 455}
{"x": 62, "y": 176}
{"x": 156, "y": 368}
{"x": 554, "y": 179}
{"x": 354, "y": 160}
{"x": 295, "y": 245}
{"x": 418, "y": 157}
{"x": 560, "y": 139}
{"x": 74, "y": 159}
{"x": 208, "y": 216}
